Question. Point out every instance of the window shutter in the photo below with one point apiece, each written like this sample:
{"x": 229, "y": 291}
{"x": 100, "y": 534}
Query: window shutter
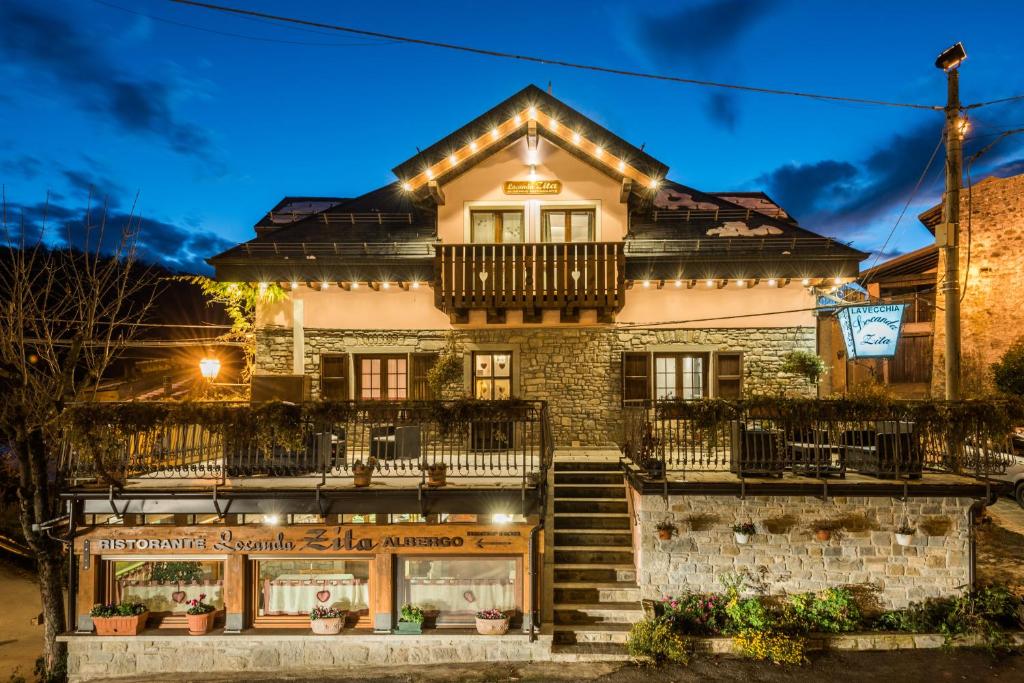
{"x": 421, "y": 364}
{"x": 334, "y": 377}
{"x": 729, "y": 375}
{"x": 636, "y": 377}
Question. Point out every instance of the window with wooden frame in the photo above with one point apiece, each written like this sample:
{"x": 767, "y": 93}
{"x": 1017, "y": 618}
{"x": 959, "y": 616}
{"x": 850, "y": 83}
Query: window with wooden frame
{"x": 492, "y": 375}
{"x": 497, "y": 226}
{"x": 568, "y": 225}
{"x": 286, "y": 589}
{"x": 458, "y": 586}
{"x": 418, "y": 384}
{"x": 729, "y": 375}
{"x": 165, "y": 586}
{"x": 636, "y": 378}
{"x": 382, "y": 377}
{"x": 680, "y": 376}
{"x": 334, "y": 376}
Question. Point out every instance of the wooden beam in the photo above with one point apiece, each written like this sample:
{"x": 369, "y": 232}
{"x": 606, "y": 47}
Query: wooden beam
{"x": 722, "y": 284}
{"x": 435, "y": 193}
{"x": 660, "y": 284}
{"x": 691, "y": 284}
{"x": 625, "y": 190}
{"x": 347, "y": 286}
{"x": 531, "y": 134}
{"x": 754, "y": 283}
{"x": 404, "y": 286}
{"x": 375, "y": 286}
{"x": 783, "y": 282}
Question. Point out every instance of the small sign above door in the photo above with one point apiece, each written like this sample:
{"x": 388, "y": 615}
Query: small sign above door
{"x": 533, "y": 186}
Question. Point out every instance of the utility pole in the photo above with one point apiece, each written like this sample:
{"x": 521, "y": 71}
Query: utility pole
{"x": 947, "y": 237}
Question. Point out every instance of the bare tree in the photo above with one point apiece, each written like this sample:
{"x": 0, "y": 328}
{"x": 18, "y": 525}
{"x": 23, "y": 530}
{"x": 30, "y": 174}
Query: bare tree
{"x": 65, "y": 315}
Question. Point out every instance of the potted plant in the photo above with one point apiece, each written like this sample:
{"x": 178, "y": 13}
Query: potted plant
{"x": 199, "y": 615}
{"x": 120, "y": 619}
{"x": 491, "y": 622}
{"x": 362, "y": 473}
{"x": 743, "y": 532}
{"x": 327, "y": 621}
{"x": 665, "y": 530}
{"x": 822, "y": 531}
{"x": 437, "y": 474}
{"x": 411, "y": 620}
{"x": 905, "y": 534}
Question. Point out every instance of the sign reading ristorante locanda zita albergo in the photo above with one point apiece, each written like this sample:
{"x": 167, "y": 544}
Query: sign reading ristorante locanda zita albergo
{"x": 533, "y": 186}
{"x": 304, "y": 539}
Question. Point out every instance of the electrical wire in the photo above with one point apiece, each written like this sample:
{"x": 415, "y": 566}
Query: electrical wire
{"x": 281, "y": 19}
{"x": 1001, "y": 100}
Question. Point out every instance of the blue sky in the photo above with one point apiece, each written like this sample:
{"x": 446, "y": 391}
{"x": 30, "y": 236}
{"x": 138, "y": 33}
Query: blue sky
{"x": 209, "y": 130}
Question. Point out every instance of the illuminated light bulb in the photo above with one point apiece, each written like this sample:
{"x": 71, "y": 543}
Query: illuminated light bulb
{"x": 740, "y": 283}
{"x": 355, "y": 285}
{"x": 494, "y": 132}
{"x": 554, "y": 124}
{"x": 272, "y": 520}
{"x": 654, "y": 183}
{"x": 385, "y": 285}
{"x": 647, "y": 283}
{"x": 430, "y": 174}
{"x": 837, "y": 280}
{"x": 502, "y": 519}
{"x": 806, "y": 281}
{"x": 415, "y": 284}
{"x": 531, "y": 157}
{"x": 622, "y": 165}
{"x": 295, "y": 285}
{"x": 710, "y": 283}
{"x": 263, "y": 287}
{"x": 576, "y": 138}
{"x": 324, "y": 285}
{"x": 472, "y": 146}
{"x": 771, "y": 282}
{"x": 533, "y": 112}
{"x": 452, "y": 160}
{"x": 679, "y": 283}
{"x": 599, "y": 151}
{"x": 517, "y": 119}
{"x": 406, "y": 186}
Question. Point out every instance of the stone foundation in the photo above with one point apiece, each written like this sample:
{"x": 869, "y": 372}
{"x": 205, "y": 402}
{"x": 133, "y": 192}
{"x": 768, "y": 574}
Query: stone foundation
{"x": 577, "y": 370}
{"x": 91, "y": 657}
{"x": 785, "y": 555}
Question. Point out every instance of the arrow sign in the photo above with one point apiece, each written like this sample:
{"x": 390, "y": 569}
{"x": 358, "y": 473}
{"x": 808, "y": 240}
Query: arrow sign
{"x": 480, "y": 543}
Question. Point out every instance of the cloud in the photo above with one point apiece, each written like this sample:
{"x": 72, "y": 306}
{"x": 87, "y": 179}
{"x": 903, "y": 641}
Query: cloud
{"x": 807, "y": 188}
{"x": 25, "y": 166}
{"x": 696, "y": 33}
{"x": 53, "y": 45}
{"x": 158, "y": 242}
{"x": 724, "y": 110}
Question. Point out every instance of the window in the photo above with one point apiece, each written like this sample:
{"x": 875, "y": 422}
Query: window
{"x": 729, "y": 375}
{"x": 420, "y": 388}
{"x": 492, "y": 375}
{"x": 489, "y": 227}
{"x": 381, "y": 377}
{"x": 165, "y": 586}
{"x": 680, "y": 376}
{"x": 334, "y": 377}
{"x": 570, "y": 225}
{"x": 456, "y": 588}
{"x": 636, "y": 377}
{"x": 293, "y": 587}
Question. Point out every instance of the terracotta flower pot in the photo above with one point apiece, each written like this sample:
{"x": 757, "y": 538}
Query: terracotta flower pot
{"x": 198, "y": 624}
{"x": 665, "y": 534}
{"x": 361, "y": 479}
{"x": 120, "y": 626}
{"x": 822, "y": 534}
{"x": 327, "y": 627}
{"x": 492, "y": 627}
{"x": 437, "y": 476}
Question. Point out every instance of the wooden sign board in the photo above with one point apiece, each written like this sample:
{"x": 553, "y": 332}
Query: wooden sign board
{"x": 316, "y": 539}
{"x": 533, "y": 186}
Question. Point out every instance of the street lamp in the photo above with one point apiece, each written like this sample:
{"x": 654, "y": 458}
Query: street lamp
{"x": 209, "y": 368}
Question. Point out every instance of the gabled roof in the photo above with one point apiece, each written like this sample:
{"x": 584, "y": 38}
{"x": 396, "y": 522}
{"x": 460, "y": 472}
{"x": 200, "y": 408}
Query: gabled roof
{"x": 758, "y": 201}
{"x": 915, "y": 262}
{"x": 292, "y": 209}
{"x": 555, "y": 120}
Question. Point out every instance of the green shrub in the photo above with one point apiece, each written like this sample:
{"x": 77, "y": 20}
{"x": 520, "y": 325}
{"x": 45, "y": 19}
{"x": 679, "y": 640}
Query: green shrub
{"x": 833, "y": 610}
{"x": 695, "y": 613}
{"x": 655, "y": 640}
{"x": 1008, "y": 371}
{"x": 804, "y": 363}
{"x": 773, "y": 646}
{"x": 747, "y": 614}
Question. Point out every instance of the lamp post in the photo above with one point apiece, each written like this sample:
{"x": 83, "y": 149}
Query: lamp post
{"x": 947, "y": 236}
{"x": 209, "y": 368}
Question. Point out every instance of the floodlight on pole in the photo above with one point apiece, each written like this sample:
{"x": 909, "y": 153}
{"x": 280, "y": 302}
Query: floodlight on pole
{"x": 209, "y": 368}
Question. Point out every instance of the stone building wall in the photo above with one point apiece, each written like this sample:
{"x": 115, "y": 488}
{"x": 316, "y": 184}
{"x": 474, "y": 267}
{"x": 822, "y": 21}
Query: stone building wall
{"x": 577, "y": 370}
{"x": 787, "y": 557}
{"x": 992, "y": 307}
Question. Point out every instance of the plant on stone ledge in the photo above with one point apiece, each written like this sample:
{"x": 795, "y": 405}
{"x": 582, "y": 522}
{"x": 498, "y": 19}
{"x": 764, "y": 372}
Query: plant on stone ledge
{"x": 808, "y": 365}
{"x": 774, "y": 646}
{"x": 654, "y": 641}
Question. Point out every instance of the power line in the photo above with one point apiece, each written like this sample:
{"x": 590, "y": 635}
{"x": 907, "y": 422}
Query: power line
{"x": 1012, "y": 98}
{"x": 544, "y": 60}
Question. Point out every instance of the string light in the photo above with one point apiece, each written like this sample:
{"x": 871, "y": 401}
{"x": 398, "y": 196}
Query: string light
{"x": 263, "y": 288}
{"x": 533, "y": 112}
{"x": 554, "y": 124}
{"x": 415, "y": 284}
{"x": 517, "y": 119}
{"x": 622, "y": 166}
{"x": 385, "y": 285}
{"x": 679, "y": 283}
{"x": 710, "y": 283}
{"x": 740, "y": 283}
{"x": 430, "y": 174}
{"x": 654, "y": 183}
{"x": 837, "y": 280}
{"x": 324, "y": 285}
{"x": 771, "y": 282}
{"x": 452, "y": 160}
{"x": 576, "y": 138}
{"x": 355, "y": 285}
{"x": 647, "y": 283}
{"x": 407, "y": 187}
{"x": 472, "y": 146}
{"x": 295, "y": 285}
{"x": 598, "y": 152}
{"x": 494, "y": 133}
{"x": 806, "y": 281}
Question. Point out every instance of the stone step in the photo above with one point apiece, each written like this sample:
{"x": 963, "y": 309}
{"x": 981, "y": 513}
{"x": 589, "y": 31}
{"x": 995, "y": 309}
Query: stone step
{"x": 576, "y": 555}
{"x": 595, "y": 573}
{"x": 597, "y": 594}
{"x": 588, "y": 478}
{"x": 598, "y": 613}
{"x": 591, "y": 492}
{"x": 591, "y": 522}
{"x": 589, "y": 652}
{"x": 594, "y": 537}
{"x": 591, "y": 506}
{"x": 586, "y": 466}
{"x": 591, "y": 633}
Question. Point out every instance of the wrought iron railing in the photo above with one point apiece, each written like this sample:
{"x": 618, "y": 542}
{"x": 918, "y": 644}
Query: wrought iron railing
{"x": 498, "y": 441}
{"x": 896, "y": 443}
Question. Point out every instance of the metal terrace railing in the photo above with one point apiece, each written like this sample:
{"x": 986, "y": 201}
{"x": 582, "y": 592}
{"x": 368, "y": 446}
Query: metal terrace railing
{"x": 717, "y": 214}
{"x": 761, "y": 442}
{"x": 714, "y": 246}
{"x": 497, "y": 441}
{"x": 336, "y": 217}
{"x": 531, "y": 276}
{"x": 311, "y": 250}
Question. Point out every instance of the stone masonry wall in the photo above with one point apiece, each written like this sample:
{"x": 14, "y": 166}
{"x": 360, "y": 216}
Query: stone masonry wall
{"x": 785, "y": 554}
{"x": 990, "y": 313}
{"x": 577, "y": 370}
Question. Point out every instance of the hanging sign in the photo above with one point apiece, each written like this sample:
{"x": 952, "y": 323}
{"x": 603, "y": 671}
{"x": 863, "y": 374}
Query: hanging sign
{"x": 533, "y": 186}
{"x": 871, "y": 331}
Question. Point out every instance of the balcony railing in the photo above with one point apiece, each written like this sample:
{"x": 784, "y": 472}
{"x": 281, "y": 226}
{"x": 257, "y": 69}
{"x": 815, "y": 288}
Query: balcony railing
{"x": 502, "y": 442}
{"x": 823, "y": 438}
{"x": 531, "y": 276}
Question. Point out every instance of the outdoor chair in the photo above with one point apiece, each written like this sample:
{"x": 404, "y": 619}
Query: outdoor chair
{"x": 890, "y": 450}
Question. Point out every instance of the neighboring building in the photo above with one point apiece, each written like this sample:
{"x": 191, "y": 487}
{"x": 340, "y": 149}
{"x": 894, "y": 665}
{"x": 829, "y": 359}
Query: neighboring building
{"x": 578, "y": 288}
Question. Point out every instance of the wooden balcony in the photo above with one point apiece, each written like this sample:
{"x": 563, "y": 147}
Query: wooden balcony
{"x": 531, "y": 278}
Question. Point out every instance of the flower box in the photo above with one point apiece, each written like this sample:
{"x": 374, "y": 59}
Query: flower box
{"x": 410, "y": 628}
{"x": 199, "y": 624}
{"x": 120, "y": 625}
{"x": 327, "y": 627}
{"x": 492, "y": 627}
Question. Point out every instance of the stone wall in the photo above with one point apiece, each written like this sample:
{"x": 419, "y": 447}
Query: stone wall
{"x": 577, "y": 370}
{"x": 990, "y": 314}
{"x": 152, "y": 656}
{"x": 785, "y": 554}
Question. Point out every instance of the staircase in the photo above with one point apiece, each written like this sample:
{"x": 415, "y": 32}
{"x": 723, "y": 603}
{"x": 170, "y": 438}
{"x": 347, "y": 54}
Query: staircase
{"x": 596, "y": 599}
